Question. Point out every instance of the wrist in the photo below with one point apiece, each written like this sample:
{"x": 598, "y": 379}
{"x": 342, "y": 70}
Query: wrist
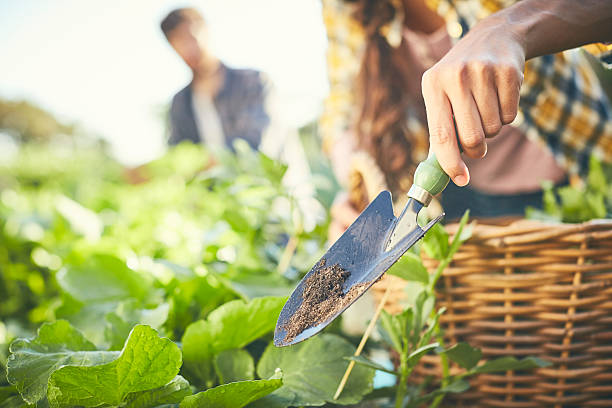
{"x": 514, "y": 29}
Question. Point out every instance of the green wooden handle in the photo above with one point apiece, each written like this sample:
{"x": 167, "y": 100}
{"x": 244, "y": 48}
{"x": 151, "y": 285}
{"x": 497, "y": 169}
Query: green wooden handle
{"x": 430, "y": 176}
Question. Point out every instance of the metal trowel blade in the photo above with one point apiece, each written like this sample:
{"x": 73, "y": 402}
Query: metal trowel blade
{"x": 368, "y": 248}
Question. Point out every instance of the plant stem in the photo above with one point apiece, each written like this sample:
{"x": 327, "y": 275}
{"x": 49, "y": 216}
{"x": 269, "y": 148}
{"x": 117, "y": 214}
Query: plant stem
{"x": 445, "y": 369}
{"x": 288, "y": 253}
{"x": 400, "y": 393}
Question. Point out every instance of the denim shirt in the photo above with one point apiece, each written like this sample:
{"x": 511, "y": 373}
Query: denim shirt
{"x": 240, "y": 103}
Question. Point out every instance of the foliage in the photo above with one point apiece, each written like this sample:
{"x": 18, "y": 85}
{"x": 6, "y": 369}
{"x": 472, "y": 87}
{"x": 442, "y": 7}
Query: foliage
{"x": 161, "y": 286}
{"x": 29, "y": 123}
{"x": 590, "y": 200}
{"x": 313, "y": 381}
{"x": 150, "y": 282}
{"x": 416, "y": 331}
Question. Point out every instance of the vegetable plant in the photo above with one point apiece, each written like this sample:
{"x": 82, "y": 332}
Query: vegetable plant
{"x": 160, "y": 286}
{"x": 416, "y": 331}
{"x": 580, "y": 202}
{"x": 157, "y": 287}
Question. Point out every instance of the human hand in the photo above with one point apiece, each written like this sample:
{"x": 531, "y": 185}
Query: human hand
{"x": 342, "y": 216}
{"x": 477, "y": 83}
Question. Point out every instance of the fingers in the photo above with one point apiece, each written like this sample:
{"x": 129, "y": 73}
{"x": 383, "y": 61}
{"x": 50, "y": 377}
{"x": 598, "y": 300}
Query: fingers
{"x": 487, "y": 101}
{"x": 508, "y": 81}
{"x": 469, "y": 125}
{"x": 443, "y": 140}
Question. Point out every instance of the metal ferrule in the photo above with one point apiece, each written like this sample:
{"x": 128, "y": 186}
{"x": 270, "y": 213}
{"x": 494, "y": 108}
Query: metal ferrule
{"x": 420, "y": 194}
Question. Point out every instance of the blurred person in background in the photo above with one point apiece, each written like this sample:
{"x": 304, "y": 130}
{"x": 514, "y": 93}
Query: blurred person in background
{"x": 223, "y": 104}
{"x": 375, "y": 113}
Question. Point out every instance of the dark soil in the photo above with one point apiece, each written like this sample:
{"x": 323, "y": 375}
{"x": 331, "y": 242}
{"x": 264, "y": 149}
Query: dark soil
{"x": 322, "y": 298}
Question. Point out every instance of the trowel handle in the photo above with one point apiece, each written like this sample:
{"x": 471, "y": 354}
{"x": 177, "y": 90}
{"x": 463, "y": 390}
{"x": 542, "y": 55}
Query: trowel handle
{"x": 429, "y": 180}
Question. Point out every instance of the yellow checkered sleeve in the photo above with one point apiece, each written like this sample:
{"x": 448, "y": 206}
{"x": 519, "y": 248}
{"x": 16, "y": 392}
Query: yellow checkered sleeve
{"x": 346, "y": 41}
{"x": 562, "y": 103}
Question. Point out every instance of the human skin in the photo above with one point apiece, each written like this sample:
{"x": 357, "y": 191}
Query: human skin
{"x": 190, "y": 41}
{"x": 477, "y": 82}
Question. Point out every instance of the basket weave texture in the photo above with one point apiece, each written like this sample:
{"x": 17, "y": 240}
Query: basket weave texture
{"x": 529, "y": 289}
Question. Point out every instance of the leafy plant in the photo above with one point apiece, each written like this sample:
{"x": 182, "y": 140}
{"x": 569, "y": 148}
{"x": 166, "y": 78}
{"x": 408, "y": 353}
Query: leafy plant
{"x": 152, "y": 285}
{"x": 311, "y": 373}
{"x": 589, "y": 200}
{"x": 416, "y": 331}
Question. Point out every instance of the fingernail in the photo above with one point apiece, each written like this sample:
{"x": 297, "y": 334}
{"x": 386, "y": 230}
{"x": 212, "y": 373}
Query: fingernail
{"x": 460, "y": 180}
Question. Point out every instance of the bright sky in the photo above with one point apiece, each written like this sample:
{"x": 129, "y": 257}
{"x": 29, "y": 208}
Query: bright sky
{"x": 106, "y": 65}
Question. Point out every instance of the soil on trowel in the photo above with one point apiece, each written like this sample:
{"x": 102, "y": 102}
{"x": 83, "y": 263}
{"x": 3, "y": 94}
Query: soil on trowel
{"x": 322, "y": 297}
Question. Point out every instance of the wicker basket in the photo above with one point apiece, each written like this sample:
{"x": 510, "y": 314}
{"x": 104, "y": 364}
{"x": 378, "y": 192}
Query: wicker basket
{"x": 529, "y": 289}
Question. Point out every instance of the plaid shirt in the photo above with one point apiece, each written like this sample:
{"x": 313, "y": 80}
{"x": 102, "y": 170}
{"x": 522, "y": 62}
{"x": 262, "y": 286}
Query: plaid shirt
{"x": 562, "y": 104}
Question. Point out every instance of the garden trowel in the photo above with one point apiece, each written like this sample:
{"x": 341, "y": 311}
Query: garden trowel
{"x": 369, "y": 247}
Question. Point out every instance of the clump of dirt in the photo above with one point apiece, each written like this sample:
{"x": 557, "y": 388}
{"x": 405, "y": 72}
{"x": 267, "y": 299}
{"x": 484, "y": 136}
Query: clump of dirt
{"x": 322, "y": 297}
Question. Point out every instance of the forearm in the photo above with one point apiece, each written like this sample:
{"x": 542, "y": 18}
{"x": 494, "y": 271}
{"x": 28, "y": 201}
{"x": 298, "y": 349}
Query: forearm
{"x": 550, "y": 26}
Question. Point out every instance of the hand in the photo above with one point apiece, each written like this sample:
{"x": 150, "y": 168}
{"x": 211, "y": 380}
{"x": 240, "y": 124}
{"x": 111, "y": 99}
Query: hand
{"x": 343, "y": 214}
{"x": 477, "y": 82}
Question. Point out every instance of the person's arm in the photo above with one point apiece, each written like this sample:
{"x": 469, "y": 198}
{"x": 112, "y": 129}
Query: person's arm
{"x": 478, "y": 80}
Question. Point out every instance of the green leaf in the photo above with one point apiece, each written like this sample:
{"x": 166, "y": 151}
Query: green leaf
{"x": 431, "y": 328}
{"x": 145, "y": 363}
{"x": 369, "y": 363}
{"x": 415, "y": 356}
{"x": 57, "y": 344}
{"x": 312, "y": 371}
{"x": 172, "y": 393}
{"x": 411, "y": 268}
{"x": 120, "y": 322}
{"x": 456, "y": 387}
{"x": 7, "y": 391}
{"x": 390, "y": 329}
{"x": 204, "y": 339}
{"x": 422, "y": 309}
{"x": 464, "y": 355}
{"x": 232, "y": 395}
{"x": 102, "y": 278}
{"x": 435, "y": 242}
{"x": 596, "y": 180}
{"x": 14, "y": 401}
{"x": 509, "y": 363}
{"x": 234, "y": 365}
{"x": 549, "y": 200}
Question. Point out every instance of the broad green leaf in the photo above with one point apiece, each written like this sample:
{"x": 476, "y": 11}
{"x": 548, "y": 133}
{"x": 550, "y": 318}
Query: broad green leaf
{"x": 509, "y": 363}
{"x": 7, "y": 391}
{"x": 120, "y": 322}
{"x": 172, "y": 393}
{"x": 232, "y": 325}
{"x": 234, "y": 365}
{"x": 312, "y": 371}
{"x": 145, "y": 363}
{"x": 411, "y": 268}
{"x": 232, "y": 395}
{"x": 464, "y": 355}
{"x": 435, "y": 242}
{"x": 14, "y": 401}
{"x": 57, "y": 344}
{"x": 102, "y": 278}
{"x": 371, "y": 364}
